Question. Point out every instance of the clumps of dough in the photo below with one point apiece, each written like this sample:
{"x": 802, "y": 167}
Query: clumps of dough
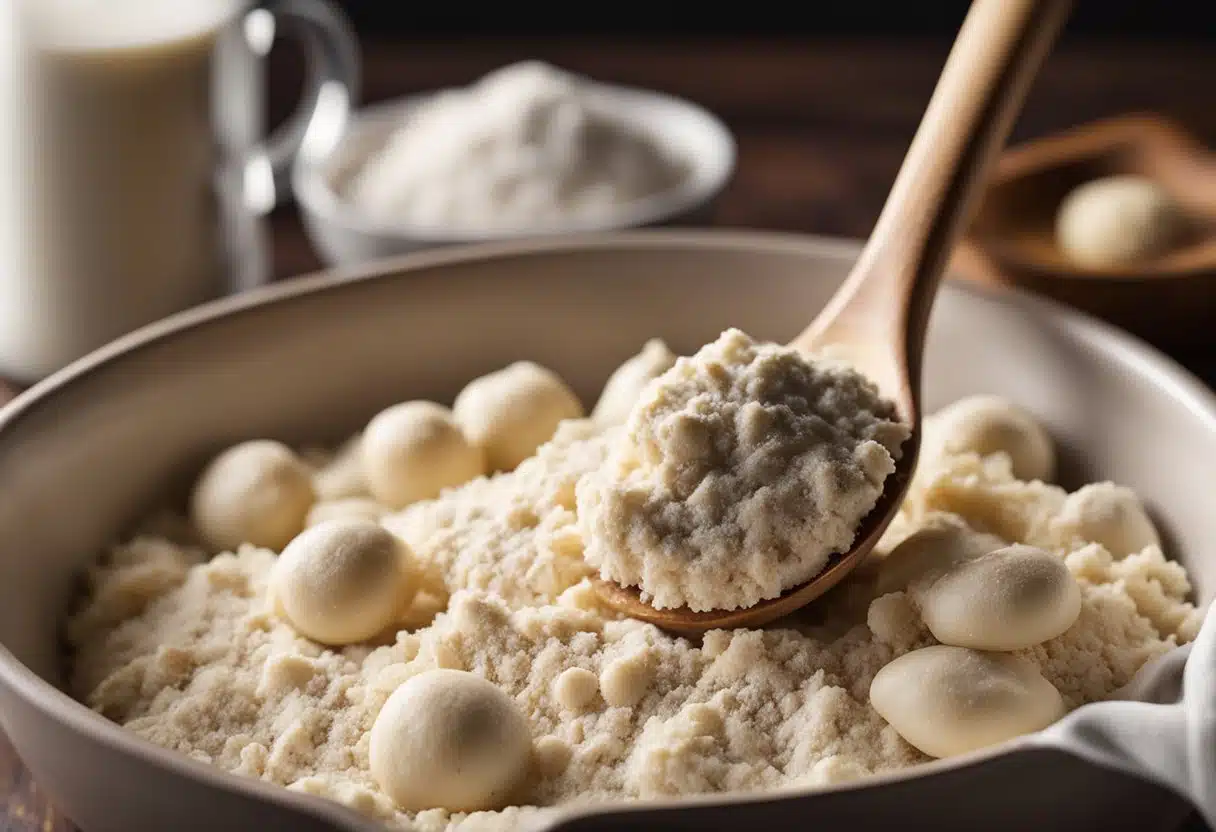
{"x": 1119, "y": 220}
{"x": 626, "y": 383}
{"x": 987, "y": 425}
{"x": 450, "y": 739}
{"x": 256, "y": 492}
{"x": 343, "y": 581}
{"x": 413, "y": 451}
{"x": 1108, "y": 514}
{"x": 737, "y": 475}
{"x": 512, "y": 412}
{"x": 947, "y": 701}
{"x": 1009, "y": 599}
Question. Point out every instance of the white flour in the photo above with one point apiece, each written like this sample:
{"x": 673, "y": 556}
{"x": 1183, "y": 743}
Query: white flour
{"x": 186, "y": 654}
{"x": 526, "y": 145}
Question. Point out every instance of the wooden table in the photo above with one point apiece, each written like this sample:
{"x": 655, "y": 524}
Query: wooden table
{"x": 822, "y": 127}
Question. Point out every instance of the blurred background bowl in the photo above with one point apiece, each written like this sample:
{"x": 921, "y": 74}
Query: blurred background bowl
{"x": 344, "y": 236}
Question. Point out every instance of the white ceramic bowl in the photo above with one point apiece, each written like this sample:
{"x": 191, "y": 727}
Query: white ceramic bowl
{"x": 86, "y": 452}
{"x": 344, "y": 236}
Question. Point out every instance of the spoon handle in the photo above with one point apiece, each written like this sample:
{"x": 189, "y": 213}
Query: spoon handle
{"x": 886, "y": 300}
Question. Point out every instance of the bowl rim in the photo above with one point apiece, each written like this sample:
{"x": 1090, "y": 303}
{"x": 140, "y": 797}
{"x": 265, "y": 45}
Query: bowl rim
{"x": 56, "y": 704}
{"x": 707, "y": 177}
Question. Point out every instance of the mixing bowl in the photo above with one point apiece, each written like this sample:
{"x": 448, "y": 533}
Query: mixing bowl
{"x": 89, "y": 450}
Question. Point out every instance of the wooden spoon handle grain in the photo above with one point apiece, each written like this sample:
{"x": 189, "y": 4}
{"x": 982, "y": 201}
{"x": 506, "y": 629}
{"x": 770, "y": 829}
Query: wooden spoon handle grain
{"x": 888, "y": 296}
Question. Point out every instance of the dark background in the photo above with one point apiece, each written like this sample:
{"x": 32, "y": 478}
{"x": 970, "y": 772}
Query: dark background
{"x": 1129, "y": 18}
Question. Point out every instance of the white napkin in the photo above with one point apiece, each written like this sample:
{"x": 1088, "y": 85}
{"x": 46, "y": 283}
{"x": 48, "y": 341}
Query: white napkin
{"x": 1167, "y": 736}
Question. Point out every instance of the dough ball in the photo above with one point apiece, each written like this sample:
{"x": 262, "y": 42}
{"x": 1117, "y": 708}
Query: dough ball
{"x": 944, "y": 541}
{"x": 626, "y": 382}
{"x": 412, "y": 451}
{"x": 1111, "y": 515}
{"x": 512, "y": 412}
{"x": 342, "y": 474}
{"x": 575, "y": 688}
{"x": 1009, "y": 599}
{"x": 990, "y": 424}
{"x": 256, "y": 492}
{"x": 950, "y": 700}
{"x": 347, "y": 508}
{"x": 1117, "y": 221}
{"x": 449, "y": 739}
{"x": 343, "y": 581}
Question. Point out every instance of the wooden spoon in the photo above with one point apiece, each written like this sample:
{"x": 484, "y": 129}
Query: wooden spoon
{"x": 879, "y": 316}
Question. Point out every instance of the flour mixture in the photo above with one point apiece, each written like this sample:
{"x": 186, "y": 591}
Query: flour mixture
{"x": 548, "y": 699}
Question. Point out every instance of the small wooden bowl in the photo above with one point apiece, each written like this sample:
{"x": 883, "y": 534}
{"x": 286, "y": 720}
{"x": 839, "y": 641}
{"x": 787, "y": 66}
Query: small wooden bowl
{"x": 1171, "y": 300}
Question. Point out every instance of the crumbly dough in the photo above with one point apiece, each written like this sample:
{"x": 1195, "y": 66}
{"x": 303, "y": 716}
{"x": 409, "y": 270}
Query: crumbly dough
{"x": 1119, "y": 220}
{"x": 513, "y": 411}
{"x": 256, "y": 492}
{"x": 740, "y": 472}
{"x": 951, "y": 700}
{"x": 449, "y": 739}
{"x": 1010, "y": 599}
{"x": 186, "y": 651}
{"x": 625, "y": 385}
{"x": 414, "y": 450}
{"x": 343, "y": 581}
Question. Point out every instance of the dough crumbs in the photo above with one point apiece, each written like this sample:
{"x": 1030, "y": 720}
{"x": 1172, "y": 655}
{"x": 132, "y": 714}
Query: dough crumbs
{"x": 187, "y": 652}
{"x": 740, "y": 471}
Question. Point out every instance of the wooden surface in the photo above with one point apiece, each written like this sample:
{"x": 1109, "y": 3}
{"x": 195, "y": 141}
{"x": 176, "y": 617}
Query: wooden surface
{"x": 821, "y": 126}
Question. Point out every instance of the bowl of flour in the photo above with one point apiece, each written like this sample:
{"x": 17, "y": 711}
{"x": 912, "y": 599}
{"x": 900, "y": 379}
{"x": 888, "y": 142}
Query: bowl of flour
{"x": 155, "y": 682}
{"x": 527, "y": 150}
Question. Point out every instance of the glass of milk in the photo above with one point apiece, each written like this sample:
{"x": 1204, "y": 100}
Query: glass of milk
{"x": 135, "y": 166}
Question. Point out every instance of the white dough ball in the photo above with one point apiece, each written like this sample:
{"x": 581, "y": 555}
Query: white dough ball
{"x": 1118, "y": 220}
{"x": 931, "y": 550}
{"x": 347, "y": 508}
{"x": 413, "y": 451}
{"x": 1009, "y": 599}
{"x": 1111, "y": 515}
{"x": 449, "y": 739}
{"x": 342, "y": 475}
{"x": 512, "y": 412}
{"x": 256, "y": 492}
{"x": 626, "y": 383}
{"x": 950, "y": 700}
{"x": 344, "y": 581}
{"x": 990, "y": 424}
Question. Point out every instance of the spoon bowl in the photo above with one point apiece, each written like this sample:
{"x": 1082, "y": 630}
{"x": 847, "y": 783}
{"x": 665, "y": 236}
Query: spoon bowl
{"x": 878, "y": 319}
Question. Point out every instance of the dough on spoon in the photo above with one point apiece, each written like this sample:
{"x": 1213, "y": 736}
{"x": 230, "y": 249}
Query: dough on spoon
{"x": 740, "y": 473}
{"x": 512, "y": 412}
{"x": 343, "y": 581}
{"x": 412, "y": 451}
{"x": 947, "y": 701}
{"x": 1009, "y": 599}
{"x": 256, "y": 492}
{"x": 986, "y": 425}
{"x": 449, "y": 739}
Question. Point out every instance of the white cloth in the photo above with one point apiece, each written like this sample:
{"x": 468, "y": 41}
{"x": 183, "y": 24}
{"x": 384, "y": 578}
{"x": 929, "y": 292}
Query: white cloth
{"x": 1162, "y": 727}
